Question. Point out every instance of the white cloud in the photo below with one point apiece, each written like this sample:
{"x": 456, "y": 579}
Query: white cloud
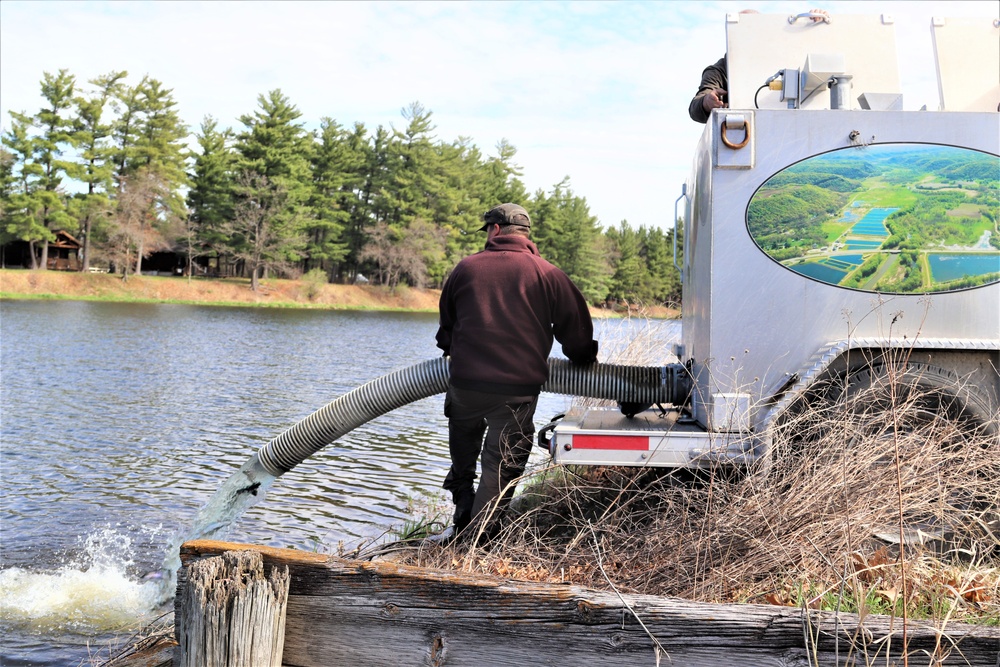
{"x": 594, "y": 90}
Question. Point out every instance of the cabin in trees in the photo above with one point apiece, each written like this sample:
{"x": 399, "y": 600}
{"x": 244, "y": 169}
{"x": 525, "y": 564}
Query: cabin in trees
{"x": 63, "y": 254}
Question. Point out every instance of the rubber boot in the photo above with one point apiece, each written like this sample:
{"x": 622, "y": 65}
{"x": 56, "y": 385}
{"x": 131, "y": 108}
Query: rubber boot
{"x": 463, "y": 509}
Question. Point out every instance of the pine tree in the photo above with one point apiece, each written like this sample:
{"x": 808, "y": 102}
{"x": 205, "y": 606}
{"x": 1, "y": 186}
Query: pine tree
{"x": 37, "y": 205}
{"x": 211, "y": 197}
{"x": 95, "y": 168}
{"x": 493, "y": 180}
{"x": 456, "y": 206}
{"x": 630, "y": 281}
{"x": 22, "y": 219}
{"x": 417, "y": 179}
{"x": 160, "y": 154}
{"x": 568, "y": 236}
{"x": 660, "y": 259}
{"x": 274, "y": 146}
{"x": 335, "y": 171}
{"x": 159, "y": 142}
{"x": 466, "y": 187}
{"x": 54, "y": 139}
{"x": 357, "y": 196}
{"x": 376, "y": 205}
{"x": 129, "y": 103}
{"x": 504, "y": 177}
{"x": 583, "y": 255}
{"x": 7, "y": 184}
{"x": 547, "y": 222}
{"x": 148, "y": 146}
{"x": 418, "y": 190}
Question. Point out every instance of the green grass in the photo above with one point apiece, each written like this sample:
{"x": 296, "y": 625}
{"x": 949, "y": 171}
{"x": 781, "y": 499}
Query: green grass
{"x": 834, "y": 230}
{"x": 430, "y": 514}
{"x": 881, "y": 196}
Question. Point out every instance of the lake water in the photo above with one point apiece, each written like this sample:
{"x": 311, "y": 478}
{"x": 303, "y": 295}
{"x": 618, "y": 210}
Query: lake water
{"x": 119, "y": 421}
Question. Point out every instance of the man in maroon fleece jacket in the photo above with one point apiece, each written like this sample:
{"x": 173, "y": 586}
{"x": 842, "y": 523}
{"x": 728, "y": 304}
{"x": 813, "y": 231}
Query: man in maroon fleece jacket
{"x": 500, "y": 310}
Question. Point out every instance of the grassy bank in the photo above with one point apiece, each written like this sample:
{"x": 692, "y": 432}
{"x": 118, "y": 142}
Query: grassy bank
{"x": 273, "y": 293}
{"x": 21, "y": 284}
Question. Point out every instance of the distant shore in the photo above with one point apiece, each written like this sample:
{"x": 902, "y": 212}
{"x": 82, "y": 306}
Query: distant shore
{"x": 273, "y": 293}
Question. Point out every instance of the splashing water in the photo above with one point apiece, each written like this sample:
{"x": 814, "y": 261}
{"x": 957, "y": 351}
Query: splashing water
{"x": 91, "y": 593}
{"x": 100, "y": 592}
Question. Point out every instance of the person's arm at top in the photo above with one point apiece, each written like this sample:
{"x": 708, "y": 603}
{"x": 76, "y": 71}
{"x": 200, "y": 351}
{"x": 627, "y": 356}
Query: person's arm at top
{"x": 711, "y": 93}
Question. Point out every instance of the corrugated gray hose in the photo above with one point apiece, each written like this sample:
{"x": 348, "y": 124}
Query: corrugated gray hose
{"x": 626, "y": 384}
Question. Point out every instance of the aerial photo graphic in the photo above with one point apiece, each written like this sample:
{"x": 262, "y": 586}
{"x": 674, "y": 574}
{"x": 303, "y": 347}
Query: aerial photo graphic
{"x": 890, "y": 218}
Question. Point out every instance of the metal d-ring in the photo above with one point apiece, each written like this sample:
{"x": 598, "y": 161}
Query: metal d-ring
{"x": 746, "y": 138}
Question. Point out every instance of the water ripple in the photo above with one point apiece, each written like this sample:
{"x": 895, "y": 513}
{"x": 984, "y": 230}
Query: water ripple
{"x": 133, "y": 415}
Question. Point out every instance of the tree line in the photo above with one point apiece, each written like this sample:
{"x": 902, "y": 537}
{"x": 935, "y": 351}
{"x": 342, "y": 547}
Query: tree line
{"x": 110, "y": 162}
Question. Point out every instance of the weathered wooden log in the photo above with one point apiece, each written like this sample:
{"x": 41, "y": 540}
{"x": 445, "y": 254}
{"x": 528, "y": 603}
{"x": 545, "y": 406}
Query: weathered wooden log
{"x": 228, "y": 614}
{"x": 361, "y": 613}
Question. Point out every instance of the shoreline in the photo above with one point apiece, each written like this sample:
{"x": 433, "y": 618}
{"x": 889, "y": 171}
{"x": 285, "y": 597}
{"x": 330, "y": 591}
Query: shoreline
{"x": 27, "y": 284}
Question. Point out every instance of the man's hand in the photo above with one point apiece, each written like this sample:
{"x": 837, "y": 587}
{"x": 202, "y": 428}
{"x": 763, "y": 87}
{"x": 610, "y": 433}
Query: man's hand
{"x": 713, "y": 99}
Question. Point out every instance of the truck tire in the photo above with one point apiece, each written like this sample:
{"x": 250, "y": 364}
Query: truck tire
{"x": 868, "y": 409}
{"x": 889, "y": 401}
{"x": 918, "y": 392}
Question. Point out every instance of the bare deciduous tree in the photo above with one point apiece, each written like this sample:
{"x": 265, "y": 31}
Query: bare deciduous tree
{"x": 403, "y": 253}
{"x": 262, "y": 234}
{"x": 136, "y": 226}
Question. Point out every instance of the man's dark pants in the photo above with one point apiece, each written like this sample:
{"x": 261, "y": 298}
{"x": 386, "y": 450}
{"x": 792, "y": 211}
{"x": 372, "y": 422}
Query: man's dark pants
{"x": 507, "y": 422}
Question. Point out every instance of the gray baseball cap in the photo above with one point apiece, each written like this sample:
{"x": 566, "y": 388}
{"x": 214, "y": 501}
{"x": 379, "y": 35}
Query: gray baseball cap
{"x": 505, "y": 214}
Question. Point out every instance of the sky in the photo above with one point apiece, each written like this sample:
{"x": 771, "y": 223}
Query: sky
{"x": 596, "y": 91}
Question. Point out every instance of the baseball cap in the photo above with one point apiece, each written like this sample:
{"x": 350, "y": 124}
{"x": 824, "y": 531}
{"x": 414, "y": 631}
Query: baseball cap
{"x": 505, "y": 214}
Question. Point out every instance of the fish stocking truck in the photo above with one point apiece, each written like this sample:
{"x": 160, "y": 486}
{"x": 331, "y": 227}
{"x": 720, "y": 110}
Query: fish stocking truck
{"x": 839, "y": 253}
{"x": 834, "y": 246}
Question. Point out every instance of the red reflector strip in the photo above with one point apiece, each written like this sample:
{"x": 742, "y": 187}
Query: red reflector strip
{"x": 636, "y": 442}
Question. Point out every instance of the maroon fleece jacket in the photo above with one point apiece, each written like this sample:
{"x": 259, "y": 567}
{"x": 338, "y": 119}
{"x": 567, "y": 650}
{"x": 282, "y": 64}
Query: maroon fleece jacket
{"x": 499, "y": 312}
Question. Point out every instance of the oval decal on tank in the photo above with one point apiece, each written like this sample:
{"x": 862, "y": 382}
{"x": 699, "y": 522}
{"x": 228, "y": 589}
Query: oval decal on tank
{"x": 890, "y": 218}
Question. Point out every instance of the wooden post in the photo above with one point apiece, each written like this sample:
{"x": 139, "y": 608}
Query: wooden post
{"x": 229, "y": 614}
